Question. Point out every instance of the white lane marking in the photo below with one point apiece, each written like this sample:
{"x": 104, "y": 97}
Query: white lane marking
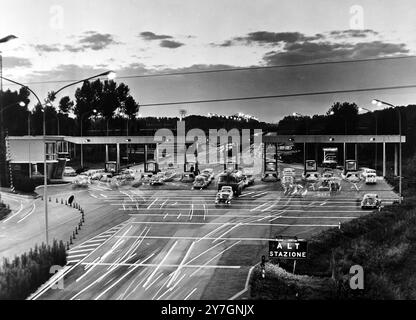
{"x": 225, "y": 239}
{"x": 268, "y": 208}
{"x": 178, "y": 215}
{"x": 246, "y": 194}
{"x": 31, "y": 211}
{"x": 161, "y": 206}
{"x": 213, "y": 231}
{"x": 323, "y": 203}
{"x": 205, "y": 211}
{"x": 161, "y": 262}
{"x": 93, "y": 195}
{"x": 161, "y": 287}
{"x": 103, "y": 195}
{"x": 164, "y": 217}
{"x": 15, "y": 214}
{"x": 189, "y": 294}
{"x": 191, "y": 212}
{"x": 150, "y": 205}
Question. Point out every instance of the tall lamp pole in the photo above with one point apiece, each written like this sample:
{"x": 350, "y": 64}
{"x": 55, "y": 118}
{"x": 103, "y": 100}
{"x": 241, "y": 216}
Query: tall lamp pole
{"x": 379, "y": 103}
{"x": 111, "y": 75}
{"x": 296, "y": 114}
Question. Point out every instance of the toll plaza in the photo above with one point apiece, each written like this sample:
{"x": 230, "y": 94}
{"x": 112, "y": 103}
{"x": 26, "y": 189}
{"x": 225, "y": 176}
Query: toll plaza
{"x": 346, "y": 142}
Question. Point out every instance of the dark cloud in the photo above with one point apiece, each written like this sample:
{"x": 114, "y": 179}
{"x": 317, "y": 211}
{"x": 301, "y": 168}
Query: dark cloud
{"x": 353, "y": 33}
{"x": 13, "y": 62}
{"x": 170, "y": 44}
{"x": 96, "y": 41}
{"x": 328, "y": 51}
{"x": 72, "y": 48}
{"x": 267, "y": 37}
{"x": 148, "y": 35}
{"x": 47, "y": 48}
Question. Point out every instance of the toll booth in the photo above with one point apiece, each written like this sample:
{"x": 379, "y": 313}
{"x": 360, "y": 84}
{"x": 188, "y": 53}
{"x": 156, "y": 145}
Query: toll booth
{"x": 187, "y": 167}
{"x": 310, "y": 166}
{"x": 111, "y": 167}
{"x": 151, "y": 167}
{"x": 270, "y": 170}
{"x": 350, "y": 165}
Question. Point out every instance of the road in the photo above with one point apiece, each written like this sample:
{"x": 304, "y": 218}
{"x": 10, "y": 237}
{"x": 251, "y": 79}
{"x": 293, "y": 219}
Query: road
{"x": 176, "y": 244}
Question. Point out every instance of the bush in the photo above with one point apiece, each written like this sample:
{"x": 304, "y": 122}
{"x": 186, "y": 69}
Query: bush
{"x": 4, "y": 211}
{"x": 23, "y": 275}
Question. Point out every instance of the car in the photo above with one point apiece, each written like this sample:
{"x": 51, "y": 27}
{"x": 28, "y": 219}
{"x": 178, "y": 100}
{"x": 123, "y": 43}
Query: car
{"x": 352, "y": 176}
{"x": 371, "y": 201}
{"x": 157, "y": 179}
{"x": 248, "y": 180}
{"x": 371, "y": 178}
{"x": 367, "y": 171}
{"x": 209, "y": 173}
{"x": 69, "y": 172}
{"x": 288, "y": 172}
{"x": 82, "y": 180}
{"x": 287, "y": 180}
{"x": 225, "y": 195}
{"x": 188, "y": 177}
{"x": 270, "y": 176}
{"x": 334, "y": 184}
{"x": 200, "y": 182}
{"x": 311, "y": 176}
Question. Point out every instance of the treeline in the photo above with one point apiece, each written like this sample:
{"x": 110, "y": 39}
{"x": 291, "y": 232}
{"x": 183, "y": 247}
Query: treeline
{"x": 23, "y": 275}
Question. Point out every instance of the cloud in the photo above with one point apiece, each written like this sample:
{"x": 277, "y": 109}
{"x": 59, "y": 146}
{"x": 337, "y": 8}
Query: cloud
{"x": 15, "y": 62}
{"x": 96, "y": 41}
{"x": 330, "y": 51}
{"x": 148, "y": 35}
{"x": 353, "y": 33}
{"x": 47, "y": 47}
{"x": 170, "y": 44}
{"x": 267, "y": 37}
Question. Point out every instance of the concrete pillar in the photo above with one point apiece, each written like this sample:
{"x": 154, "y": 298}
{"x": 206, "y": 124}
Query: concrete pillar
{"x": 118, "y": 156}
{"x": 145, "y": 156}
{"x": 384, "y": 159}
{"x": 396, "y": 160}
{"x": 345, "y": 154}
{"x": 156, "y": 155}
{"x": 356, "y": 152}
{"x": 106, "y": 153}
{"x": 264, "y": 157}
{"x": 316, "y": 152}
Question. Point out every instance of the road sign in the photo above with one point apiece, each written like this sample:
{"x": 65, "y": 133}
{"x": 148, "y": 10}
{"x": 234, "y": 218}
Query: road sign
{"x": 288, "y": 248}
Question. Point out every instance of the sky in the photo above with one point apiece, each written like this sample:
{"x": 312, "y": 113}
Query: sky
{"x": 74, "y": 39}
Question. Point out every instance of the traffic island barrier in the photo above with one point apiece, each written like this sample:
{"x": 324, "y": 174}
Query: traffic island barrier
{"x": 67, "y": 245}
{"x": 70, "y": 239}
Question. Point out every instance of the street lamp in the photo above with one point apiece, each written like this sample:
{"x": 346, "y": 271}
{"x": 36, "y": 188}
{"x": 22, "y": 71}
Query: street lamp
{"x": 361, "y": 109}
{"x": 52, "y": 96}
{"x": 379, "y": 103}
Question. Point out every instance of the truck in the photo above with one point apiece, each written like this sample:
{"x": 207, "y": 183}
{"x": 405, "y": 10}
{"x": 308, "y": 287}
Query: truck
{"x": 233, "y": 178}
{"x": 330, "y": 157}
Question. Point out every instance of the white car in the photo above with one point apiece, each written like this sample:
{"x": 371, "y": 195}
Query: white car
{"x": 351, "y": 176}
{"x": 371, "y": 178}
{"x": 370, "y": 201}
{"x": 311, "y": 176}
{"x": 81, "y": 180}
{"x": 69, "y": 172}
{"x": 225, "y": 195}
{"x": 367, "y": 171}
{"x": 209, "y": 173}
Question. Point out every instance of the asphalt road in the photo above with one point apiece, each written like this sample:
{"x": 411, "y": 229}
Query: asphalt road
{"x": 176, "y": 244}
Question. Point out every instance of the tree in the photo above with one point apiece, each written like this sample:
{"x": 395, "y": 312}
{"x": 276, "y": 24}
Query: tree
{"x": 345, "y": 115}
{"x": 66, "y": 105}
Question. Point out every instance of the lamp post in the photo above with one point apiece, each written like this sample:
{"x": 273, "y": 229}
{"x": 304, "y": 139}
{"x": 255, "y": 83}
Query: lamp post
{"x": 379, "y": 103}
{"x": 296, "y": 114}
{"x": 376, "y": 129}
{"x": 111, "y": 75}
